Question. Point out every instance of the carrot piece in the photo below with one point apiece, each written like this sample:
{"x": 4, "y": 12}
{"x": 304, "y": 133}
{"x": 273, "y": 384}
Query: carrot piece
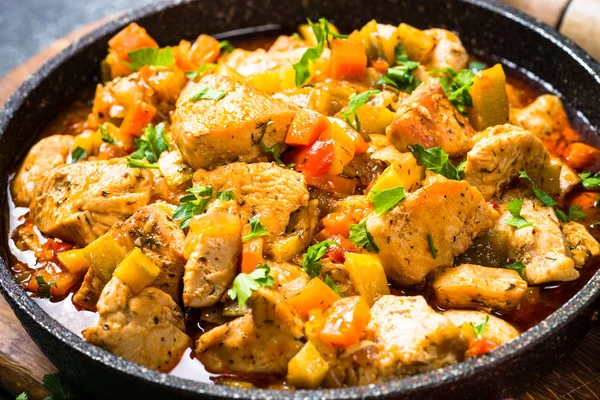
{"x": 380, "y": 65}
{"x": 252, "y": 254}
{"x": 480, "y": 346}
{"x": 306, "y": 127}
{"x": 331, "y": 183}
{"x": 345, "y": 321}
{"x": 205, "y": 49}
{"x": 137, "y": 118}
{"x": 348, "y": 59}
{"x": 582, "y": 156}
{"x": 64, "y": 281}
{"x": 337, "y": 223}
{"x": 316, "y": 294}
{"x": 132, "y": 37}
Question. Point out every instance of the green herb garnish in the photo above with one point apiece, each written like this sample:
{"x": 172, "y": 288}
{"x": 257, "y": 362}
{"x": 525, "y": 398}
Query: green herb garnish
{"x": 514, "y": 207}
{"x": 244, "y": 284}
{"x": 386, "y": 199}
{"x": 590, "y": 181}
{"x": 194, "y": 203}
{"x": 476, "y": 66}
{"x": 58, "y": 387}
{"x": 150, "y": 146}
{"x": 516, "y": 266}
{"x": 107, "y": 137}
{"x": 194, "y": 74}
{"x": 547, "y": 200}
{"x": 356, "y": 101}
{"x": 436, "y": 160}
{"x": 432, "y": 249}
{"x": 209, "y": 93}
{"x": 78, "y": 154}
{"x": 44, "y": 287}
{"x": 361, "y": 238}
{"x": 225, "y": 195}
{"x": 226, "y": 46}
{"x": 329, "y": 282}
{"x": 480, "y": 328}
{"x": 456, "y": 85}
{"x": 257, "y": 229}
{"x": 574, "y": 213}
{"x": 401, "y": 76}
{"x": 311, "y": 262}
{"x": 150, "y": 56}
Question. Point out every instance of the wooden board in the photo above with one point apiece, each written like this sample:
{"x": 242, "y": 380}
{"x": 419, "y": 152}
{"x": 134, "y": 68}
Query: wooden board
{"x": 22, "y": 365}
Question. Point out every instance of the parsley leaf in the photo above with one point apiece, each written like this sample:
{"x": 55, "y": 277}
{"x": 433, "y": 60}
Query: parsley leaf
{"x": 386, "y": 199}
{"x": 590, "y": 181}
{"x": 209, "y": 93}
{"x": 311, "y": 262}
{"x": 150, "y": 56}
{"x": 460, "y": 168}
{"x": 516, "y": 266}
{"x": 547, "y": 200}
{"x": 244, "y": 284}
{"x": 476, "y": 66}
{"x": 192, "y": 204}
{"x": 514, "y": 207}
{"x": 480, "y": 328}
{"x": 401, "y": 76}
{"x": 44, "y": 287}
{"x": 575, "y": 213}
{"x": 275, "y": 149}
{"x": 132, "y": 163}
{"x": 257, "y": 229}
{"x": 226, "y": 46}
{"x": 561, "y": 216}
{"x": 432, "y": 249}
{"x": 361, "y": 238}
{"x": 356, "y": 101}
{"x": 194, "y": 74}
{"x": 456, "y": 85}
{"x": 329, "y": 282}
{"x": 58, "y": 387}
{"x": 435, "y": 159}
{"x": 107, "y": 137}
{"x": 22, "y": 396}
{"x": 225, "y": 195}
{"x": 78, "y": 154}
{"x": 150, "y": 146}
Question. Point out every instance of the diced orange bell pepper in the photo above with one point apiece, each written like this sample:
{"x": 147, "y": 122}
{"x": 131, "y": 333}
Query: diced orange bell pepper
{"x": 252, "y": 254}
{"x": 316, "y": 159}
{"x": 331, "y": 183}
{"x": 345, "y": 321}
{"x": 337, "y": 223}
{"x": 480, "y": 346}
{"x": 64, "y": 281}
{"x": 316, "y": 294}
{"x": 306, "y": 127}
{"x": 137, "y": 118}
{"x": 360, "y": 146}
{"x": 586, "y": 200}
{"x": 582, "y": 156}
{"x": 336, "y": 254}
{"x": 348, "y": 59}
{"x": 380, "y": 65}
{"x": 205, "y": 49}
{"x": 133, "y": 37}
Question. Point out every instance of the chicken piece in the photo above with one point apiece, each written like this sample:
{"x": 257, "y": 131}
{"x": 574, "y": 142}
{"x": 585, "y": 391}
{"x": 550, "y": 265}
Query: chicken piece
{"x": 448, "y": 51}
{"x": 261, "y": 342}
{"x": 501, "y": 152}
{"x": 404, "y": 337}
{"x": 80, "y": 202}
{"x": 427, "y": 118}
{"x": 213, "y": 257}
{"x": 558, "y": 179}
{"x": 46, "y": 154}
{"x": 496, "y": 329}
{"x": 286, "y": 43}
{"x": 88, "y": 294}
{"x": 542, "y": 247}
{"x": 147, "y": 328}
{"x": 263, "y": 190}
{"x": 259, "y": 62}
{"x": 339, "y": 274}
{"x": 474, "y": 286}
{"x": 160, "y": 239}
{"x": 290, "y": 278}
{"x": 582, "y": 244}
{"x": 545, "y": 118}
{"x": 215, "y": 132}
{"x": 445, "y": 215}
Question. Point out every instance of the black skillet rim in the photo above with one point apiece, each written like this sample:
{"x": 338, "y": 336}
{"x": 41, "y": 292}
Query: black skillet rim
{"x": 445, "y": 376}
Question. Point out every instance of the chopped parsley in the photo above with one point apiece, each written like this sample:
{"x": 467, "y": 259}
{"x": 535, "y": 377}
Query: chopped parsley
{"x": 361, "y": 238}
{"x": 478, "y": 329}
{"x": 311, "y": 262}
{"x": 401, "y": 76}
{"x": 476, "y": 66}
{"x": 436, "y": 160}
{"x": 194, "y": 74}
{"x": 22, "y": 396}
{"x": 547, "y": 200}
{"x": 275, "y": 149}
{"x": 460, "y": 168}
{"x": 150, "y": 56}
{"x": 574, "y": 213}
{"x": 78, "y": 154}
{"x": 386, "y": 199}
{"x": 590, "y": 181}
{"x": 356, "y": 101}
{"x": 432, "y": 249}
{"x": 516, "y": 220}
{"x": 44, "y": 287}
{"x": 150, "y": 146}
{"x": 516, "y": 266}
{"x": 257, "y": 229}
{"x": 244, "y": 284}
{"x": 194, "y": 203}
{"x": 59, "y": 388}
{"x": 209, "y": 93}
{"x": 226, "y": 46}
{"x": 225, "y": 195}
{"x": 456, "y": 85}
{"x": 329, "y": 282}
{"x": 107, "y": 137}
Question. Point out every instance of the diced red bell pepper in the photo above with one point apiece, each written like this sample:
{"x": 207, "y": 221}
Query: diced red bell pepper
{"x": 132, "y": 37}
{"x": 137, "y": 118}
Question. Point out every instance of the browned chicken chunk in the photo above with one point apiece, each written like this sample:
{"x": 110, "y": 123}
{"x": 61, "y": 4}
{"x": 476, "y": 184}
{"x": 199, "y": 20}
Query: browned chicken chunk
{"x": 545, "y": 117}
{"x": 214, "y": 132}
{"x": 582, "y": 244}
{"x": 406, "y": 234}
{"x": 496, "y": 329}
{"x": 147, "y": 328}
{"x": 260, "y": 342}
{"x": 427, "y": 118}
{"x": 448, "y": 52}
{"x": 46, "y": 154}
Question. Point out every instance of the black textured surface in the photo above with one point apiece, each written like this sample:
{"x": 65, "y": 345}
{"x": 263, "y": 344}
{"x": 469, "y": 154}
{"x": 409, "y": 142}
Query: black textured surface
{"x": 489, "y": 27}
{"x": 28, "y": 26}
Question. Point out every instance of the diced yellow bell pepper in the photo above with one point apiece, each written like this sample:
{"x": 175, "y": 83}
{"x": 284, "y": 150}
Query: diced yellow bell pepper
{"x": 388, "y": 39}
{"x": 344, "y": 147}
{"x": 368, "y": 276}
{"x": 490, "y": 101}
{"x": 123, "y": 139}
{"x": 137, "y": 271}
{"x": 103, "y": 255}
{"x": 370, "y": 37}
{"x": 308, "y": 368}
{"x": 218, "y": 223}
{"x": 417, "y": 43}
{"x": 406, "y": 173}
{"x": 73, "y": 260}
{"x": 88, "y": 140}
{"x": 267, "y": 81}
{"x": 308, "y": 35}
{"x": 374, "y": 120}
{"x": 330, "y": 98}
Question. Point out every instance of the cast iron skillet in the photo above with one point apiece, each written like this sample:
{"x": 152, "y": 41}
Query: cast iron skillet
{"x": 483, "y": 27}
